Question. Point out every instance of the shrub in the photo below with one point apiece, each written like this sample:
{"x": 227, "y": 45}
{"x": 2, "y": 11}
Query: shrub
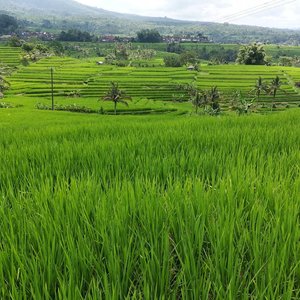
{"x": 173, "y": 61}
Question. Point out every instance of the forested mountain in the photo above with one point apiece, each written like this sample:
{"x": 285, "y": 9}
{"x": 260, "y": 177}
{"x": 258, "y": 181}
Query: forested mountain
{"x": 52, "y": 7}
{"x": 69, "y": 14}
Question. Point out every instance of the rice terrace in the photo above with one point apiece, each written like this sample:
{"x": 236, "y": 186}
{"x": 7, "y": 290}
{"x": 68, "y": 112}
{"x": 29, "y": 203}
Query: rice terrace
{"x": 134, "y": 168}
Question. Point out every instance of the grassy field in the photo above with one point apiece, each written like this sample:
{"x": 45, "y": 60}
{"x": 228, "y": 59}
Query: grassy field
{"x": 150, "y": 87}
{"x": 158, "y": 207}
{"x": 154, "y": 87}
{"x": 10, "y": 55}
{"x": 169, "y": 206}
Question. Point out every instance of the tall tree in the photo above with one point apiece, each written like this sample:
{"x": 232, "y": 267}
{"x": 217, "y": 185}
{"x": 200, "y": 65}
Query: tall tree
{"x": 253, "y": 54}
{"x": 259, "y": 87}
{"x": 199, "y": 99}
{"x": 214, "y": 96}
{"x": 274, "y": 87}
{"x": 149, "y": 36}
{"x": 116, "y": 95}
{"x": 8, "y": 24}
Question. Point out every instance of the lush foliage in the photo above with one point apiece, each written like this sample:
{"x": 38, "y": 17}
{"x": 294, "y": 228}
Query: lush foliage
{"x": 116, "y": 95}
{"x": 75, "y": 35}
{"x": 4, "y": 84}
{"x": 8, "y": 24}
{"x": 173, "y": 60}
{"x": 84, "y": 78}
{"x": 149, "y": 36}
{"x": 98, "y": 207}
{"x": 252, "y": 55}
{"x": 71, "y": 108}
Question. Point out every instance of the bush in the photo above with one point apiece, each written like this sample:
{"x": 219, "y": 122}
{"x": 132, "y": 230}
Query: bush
{"x": 28, "y": 47}
{"x": 297, "y": 84}
{"x": 173, "y": 61}
{"x": 149, "y": 36}
{"x": 6, "y": 105}
{"x": 252, "y": 55}
{"x": 9, "y": 105}
{"x": 72, "y": 108}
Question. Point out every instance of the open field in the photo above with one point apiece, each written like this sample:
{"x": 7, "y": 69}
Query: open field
{"x": 10, "y": 55}
{"x": 168, "y": 206}
{"x": 160, "y": 207}
{"x": 156, "y": 85}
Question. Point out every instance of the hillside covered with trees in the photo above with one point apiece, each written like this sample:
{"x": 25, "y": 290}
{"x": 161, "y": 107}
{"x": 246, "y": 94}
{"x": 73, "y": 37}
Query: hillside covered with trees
{"x": 67, "y": 15}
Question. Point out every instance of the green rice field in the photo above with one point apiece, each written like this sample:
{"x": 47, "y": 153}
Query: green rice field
{"x": 168, "y": 205}
{"x": 172, "y": 207}
{"x": 10, "y": 55}
{"x": 155, "y": 84}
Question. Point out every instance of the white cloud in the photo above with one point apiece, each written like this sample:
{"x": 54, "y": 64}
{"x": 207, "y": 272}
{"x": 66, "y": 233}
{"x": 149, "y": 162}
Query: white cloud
{"x": 213, "y": 10}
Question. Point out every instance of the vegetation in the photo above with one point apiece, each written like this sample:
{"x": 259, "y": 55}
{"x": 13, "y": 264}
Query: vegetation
{"x": 259, "y": 88}
{"x": 149, "y": 36}
{"x": 189, "y": 57}
{"x": 4, "y": 84}
{"x": 71, "y": 108}
{"x": 161, "y": 204}
{"x": 275, "y": 86}
{"x": 252, "y": 55}
{"x": 34, "y": 52}
{"x": 206, "y": 99}
{"x": 116, "y": 95}
{"x": 241, "y": 104}
{"x": 8, "y": 24}
{"x": 147, "y": 80}
{"x": 173, "y": 61}
{"x": 149, "y": 208}
{"x": 57, "y": 15}
{"x": 75, "y": 35}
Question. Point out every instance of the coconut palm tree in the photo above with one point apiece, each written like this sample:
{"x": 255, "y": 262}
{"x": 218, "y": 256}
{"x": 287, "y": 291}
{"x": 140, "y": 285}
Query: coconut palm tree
{"x": 197, "y": 97}
{"x": 274, "y": 87}
{"x": 259, "y": 87}
{"x": 213, "y": 97}
{"x": 116, "y": 95}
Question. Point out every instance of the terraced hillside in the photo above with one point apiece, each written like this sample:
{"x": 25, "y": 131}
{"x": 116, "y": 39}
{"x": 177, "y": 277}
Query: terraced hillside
{"x": 86, "y": 79}
{"x": 239, "y": 77}
{"x": 10, "y": 55}
{"x": 91, "y": 80}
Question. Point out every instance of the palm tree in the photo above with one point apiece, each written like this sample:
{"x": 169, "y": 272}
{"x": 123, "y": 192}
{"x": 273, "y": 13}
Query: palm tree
{"x": 274, "y": 87}
{"x": 116, "y": 95}
{"x": 259, "y": 87}
{"x": 199, "y": 99}
{"x": 214, "y": 97}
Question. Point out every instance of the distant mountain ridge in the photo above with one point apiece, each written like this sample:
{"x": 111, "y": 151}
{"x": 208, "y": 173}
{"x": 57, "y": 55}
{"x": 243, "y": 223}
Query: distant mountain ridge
{"x": 67, "y": 14}
{"x": 50, "y": 7}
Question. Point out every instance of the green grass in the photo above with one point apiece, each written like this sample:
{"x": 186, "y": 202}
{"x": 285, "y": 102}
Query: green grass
{"x": 148, "y": 84}
{"x": 10, "y": 56}
{"x": 157, "y": 207}
{"x": 151, "y": 87}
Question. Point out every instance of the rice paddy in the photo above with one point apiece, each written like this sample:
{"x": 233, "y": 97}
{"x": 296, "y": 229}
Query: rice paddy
{"x": 171, "y": 206}
{"x": 90, "y": 81}
{"x": 10, "y": 55}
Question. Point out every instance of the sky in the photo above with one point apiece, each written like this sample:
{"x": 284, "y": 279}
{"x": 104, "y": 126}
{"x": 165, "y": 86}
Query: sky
{"x": 285, "y": 14}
